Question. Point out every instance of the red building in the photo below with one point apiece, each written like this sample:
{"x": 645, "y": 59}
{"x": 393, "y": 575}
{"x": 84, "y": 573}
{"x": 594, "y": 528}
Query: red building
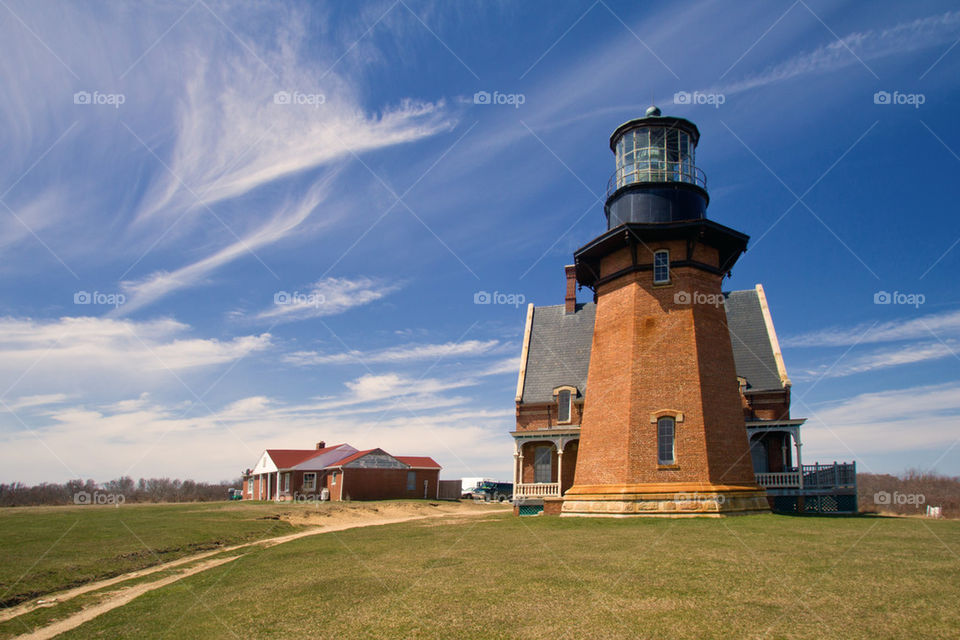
{"x": 340, "y": 472}
{"x": 665, "y": 395}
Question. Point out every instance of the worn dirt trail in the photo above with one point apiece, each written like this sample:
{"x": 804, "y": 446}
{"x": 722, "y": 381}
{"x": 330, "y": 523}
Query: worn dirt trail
{"x": 126, "y": 595}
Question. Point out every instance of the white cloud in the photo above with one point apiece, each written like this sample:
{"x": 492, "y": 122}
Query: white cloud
{"x": 865, "y": 45}
{"x": 327, "y": 297}
{"x": 900, "y": 420}
{"x": 403, "y": 353}
{"x": 141, "y": 437}
{"x": 84, "y": 353}
{"x": 886, "y": 358}
{"x": 40, "y": 400}
{"x": 943, "y": 325}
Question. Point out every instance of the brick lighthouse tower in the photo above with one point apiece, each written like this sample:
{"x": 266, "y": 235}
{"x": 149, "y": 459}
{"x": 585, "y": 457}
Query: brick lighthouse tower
{"x": 662, "y": 429}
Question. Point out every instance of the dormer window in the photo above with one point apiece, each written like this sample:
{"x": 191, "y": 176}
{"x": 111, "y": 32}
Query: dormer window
{"x": 564, "y": 396}
{"x": 661, "y": 267}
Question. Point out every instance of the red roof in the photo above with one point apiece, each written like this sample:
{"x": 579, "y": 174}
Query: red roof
{"x": 419, "y": 461}
{"x": 287, "y": 458}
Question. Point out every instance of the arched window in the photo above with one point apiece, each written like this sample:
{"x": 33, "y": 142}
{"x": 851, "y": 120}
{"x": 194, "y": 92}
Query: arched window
{"x": 564, "y": 398}
{"x": 661, "y": 267}
{"x": 666, "y": 430}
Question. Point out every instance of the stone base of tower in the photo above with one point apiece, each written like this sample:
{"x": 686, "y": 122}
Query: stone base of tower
{"x": 671, "y": 500}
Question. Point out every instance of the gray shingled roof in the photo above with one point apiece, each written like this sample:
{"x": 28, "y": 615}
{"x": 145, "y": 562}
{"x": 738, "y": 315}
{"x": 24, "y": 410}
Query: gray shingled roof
{"x": 752, "y": 350}
{"x": 559, "y": 351}
{"x": 560, "y": 343}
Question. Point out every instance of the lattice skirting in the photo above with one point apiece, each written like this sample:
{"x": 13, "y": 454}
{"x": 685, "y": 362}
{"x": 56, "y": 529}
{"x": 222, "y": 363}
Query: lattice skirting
{"x": 816, "y": 504}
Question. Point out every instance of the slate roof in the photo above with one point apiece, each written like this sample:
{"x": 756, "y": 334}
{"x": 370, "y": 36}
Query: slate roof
{"x": 559, "y": 352}
{"x": 752, "y": 349}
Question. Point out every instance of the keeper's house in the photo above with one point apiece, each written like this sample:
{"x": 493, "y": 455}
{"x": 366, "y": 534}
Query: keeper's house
{"x": 340, "y": 472}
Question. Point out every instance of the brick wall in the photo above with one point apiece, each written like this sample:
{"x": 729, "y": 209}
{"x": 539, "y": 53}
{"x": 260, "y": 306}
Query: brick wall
{"x": 383, "y": 484}
{"x": 544, "y": 415}
{"x": 652, "y": 352}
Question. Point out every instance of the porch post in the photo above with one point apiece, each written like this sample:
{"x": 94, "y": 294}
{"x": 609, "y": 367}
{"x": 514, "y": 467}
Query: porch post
{"x": 278, "y": 486}
{"x": 516, "y": 456}
{"x": 559, "y": 471}
{"x": 799, "y": 455}
{"x": 520, "y": 467}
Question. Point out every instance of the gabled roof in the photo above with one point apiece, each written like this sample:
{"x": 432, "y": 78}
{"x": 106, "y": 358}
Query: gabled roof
{"x": 419, "y": 462}
{"x": 289, "y": 458}
{"x": 355, "y": 456}
{"x": 559, "y": 351}
{"x": 559, "y": 348}
{"x": 755, "y": 348}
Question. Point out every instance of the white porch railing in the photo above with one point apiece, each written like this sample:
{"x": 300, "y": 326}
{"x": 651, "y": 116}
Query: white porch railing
{"x": 815, "y": 476}
{"x": 784, "y": 480}
{"x": 537, "y": 490}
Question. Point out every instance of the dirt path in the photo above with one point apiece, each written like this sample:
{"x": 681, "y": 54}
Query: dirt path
{"x": 125, "y": 595}
{"x": 121, "y": 598}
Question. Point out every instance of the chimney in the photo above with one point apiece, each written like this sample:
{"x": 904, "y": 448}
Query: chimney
{"x": 571, "y": 299}
{"x": 321, "y": 445}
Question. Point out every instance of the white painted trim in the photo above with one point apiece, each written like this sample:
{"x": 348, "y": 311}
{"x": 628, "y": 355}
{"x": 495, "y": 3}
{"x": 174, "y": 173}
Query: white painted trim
{"x": 524, "y": 353}
{"x": 265, "y": 464}
{"x": 772, "y": 335}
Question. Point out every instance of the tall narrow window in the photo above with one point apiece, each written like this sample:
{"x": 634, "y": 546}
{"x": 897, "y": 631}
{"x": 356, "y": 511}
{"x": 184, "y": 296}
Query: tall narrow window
{"x": 333, "y": 478}
{"x": 411, "y": 480}
{"x": 665, "y": 437}
{"x": 564, "y": 399}
{"x": 661, "y": 267}
{"x": 541, "y": 464}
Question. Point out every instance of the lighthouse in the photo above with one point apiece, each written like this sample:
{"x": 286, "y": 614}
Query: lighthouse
{"x": 662, "y": 427}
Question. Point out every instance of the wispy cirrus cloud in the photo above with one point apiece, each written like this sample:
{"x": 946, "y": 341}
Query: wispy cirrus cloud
{"x": 855, "y": 47}
{"x": 944, "y": 325}
{"x": 85, "y": 352}
{"x": 402, "y": 353}
{"x": 909, "y": 419}
{"x": 885, "y": 359}
{"x": 326, "y": 297}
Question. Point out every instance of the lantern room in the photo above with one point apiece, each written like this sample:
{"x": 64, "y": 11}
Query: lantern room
{"x": 656, "y": 177}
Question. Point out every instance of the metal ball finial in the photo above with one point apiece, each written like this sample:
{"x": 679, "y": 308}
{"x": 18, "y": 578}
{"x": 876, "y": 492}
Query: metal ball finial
{"x": 653, "y": 111}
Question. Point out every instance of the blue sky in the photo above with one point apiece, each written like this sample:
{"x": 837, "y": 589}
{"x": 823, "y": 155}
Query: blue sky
{"x": 172, "y": 170}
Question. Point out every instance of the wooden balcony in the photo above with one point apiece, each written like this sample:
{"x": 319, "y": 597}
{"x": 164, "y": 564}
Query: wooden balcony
{"x": 811, "y": 477}
{"x": 537, "y": 490}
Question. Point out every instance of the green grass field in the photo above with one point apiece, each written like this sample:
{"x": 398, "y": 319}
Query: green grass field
{"x": 497, "y": 576}
{"x": 46, "y": 549}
